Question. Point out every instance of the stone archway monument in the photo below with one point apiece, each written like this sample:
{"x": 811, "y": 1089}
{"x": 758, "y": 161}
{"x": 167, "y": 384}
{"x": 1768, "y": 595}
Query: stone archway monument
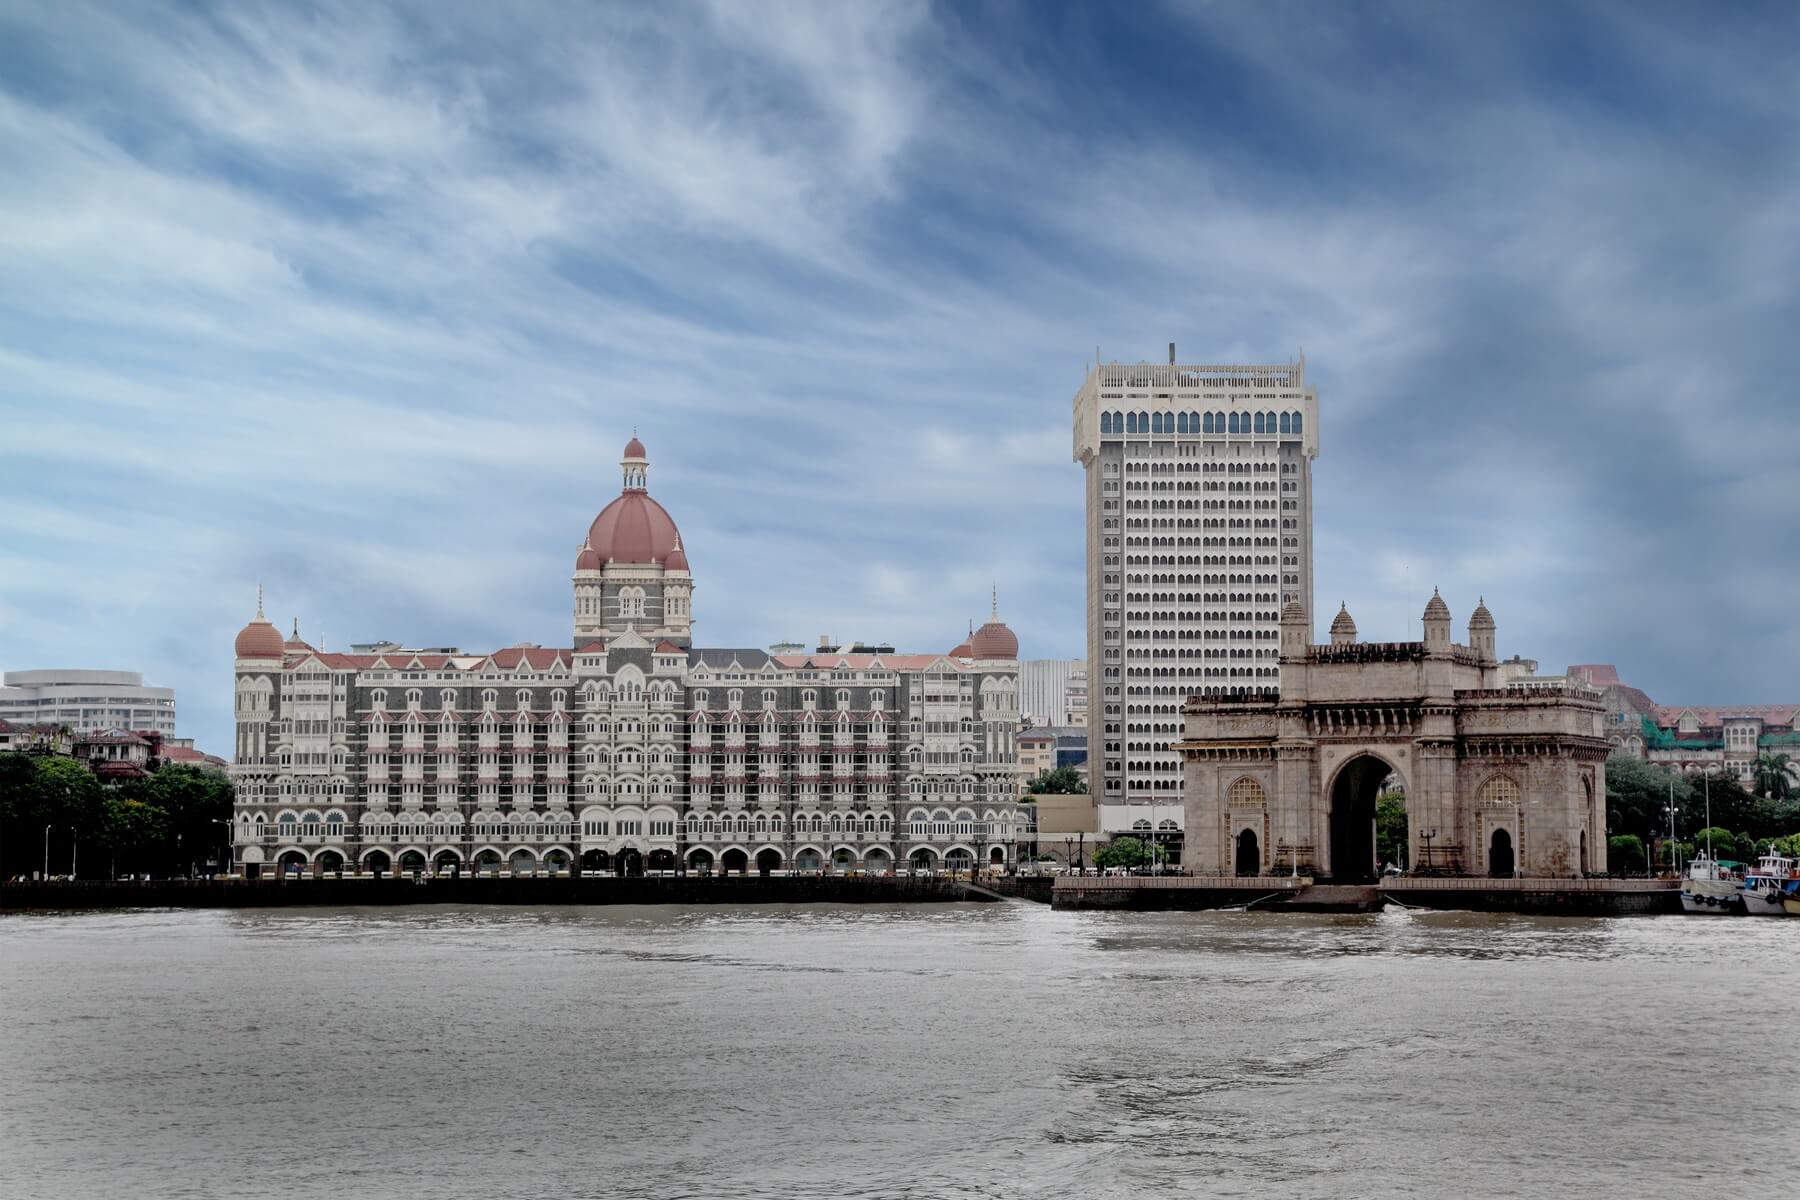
{"x": 1496, "y": 772}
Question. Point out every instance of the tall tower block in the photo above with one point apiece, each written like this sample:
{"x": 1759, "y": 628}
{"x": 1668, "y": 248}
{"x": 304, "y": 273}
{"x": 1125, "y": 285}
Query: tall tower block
{"x": 1199, "y": 535}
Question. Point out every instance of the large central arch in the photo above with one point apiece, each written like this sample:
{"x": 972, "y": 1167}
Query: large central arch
{"x": 1352, "y": 819}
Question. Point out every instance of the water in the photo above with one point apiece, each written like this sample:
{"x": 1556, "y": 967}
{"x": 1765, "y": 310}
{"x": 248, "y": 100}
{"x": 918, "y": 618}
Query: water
{"x": 998, "y": 1050}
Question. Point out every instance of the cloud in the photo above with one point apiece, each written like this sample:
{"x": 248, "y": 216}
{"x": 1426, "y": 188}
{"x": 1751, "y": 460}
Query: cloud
{"x": 362, "y": 300}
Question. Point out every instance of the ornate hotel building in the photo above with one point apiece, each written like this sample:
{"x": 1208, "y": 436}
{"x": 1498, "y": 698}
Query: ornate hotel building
{"x": 1199, "y": 532}
{"x": 630, "y": 748}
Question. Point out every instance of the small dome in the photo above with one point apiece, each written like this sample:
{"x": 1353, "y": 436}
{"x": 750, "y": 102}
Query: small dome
{"x": 258, "y": 639}
{"x": 1343, "y": 622}
{"x": 994, "y": 640}
{"x": 634, "y": 448}
{"x": 1292, "y": 613}
{"x": 588, "y": 559}
{"x": 963, "y": 650}
{"x": 677, "y": 560}
{"x": 1481, "y": 618}
{"x": 1435, "y": 608}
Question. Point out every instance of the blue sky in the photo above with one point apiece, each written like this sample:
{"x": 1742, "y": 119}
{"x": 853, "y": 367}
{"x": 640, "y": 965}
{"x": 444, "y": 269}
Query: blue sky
{"x": 363, "y": 301}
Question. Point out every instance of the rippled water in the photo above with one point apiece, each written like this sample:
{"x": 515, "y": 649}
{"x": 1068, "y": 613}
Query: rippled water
{"x": 997, "y": 1050}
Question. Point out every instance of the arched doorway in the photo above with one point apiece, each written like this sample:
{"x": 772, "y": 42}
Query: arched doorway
{"x": 330, "y": 860}
{"x": 412, "y": 860}
{"x": 629, "y": 861}
{"x": 1353, "y": 796}
{"x": 557, "y": 862}
{"x": 843, "y": 860}
{"x": 1584, "y": 859}
{"x": 878, "y": 862}
{"x": 487, "y": 862}
{"x": 1500, "y": 855}
{"x": 522, "y": 862}
{"x": 767, "y": 861}
{"x": 700, "y": 862}
{"x": 447, "y": 862}
{"x": 662, "y": 860}
{"x": 291, "y": 864}
{"x": 734, "y": 862}
{"x": 921, "y": 861}
{"x": 959, "y": 859}
{"x": 1248, "y": 858}
{"x": 595, "y": 860}
{"x": 997, "y": 856}
{"x": 377, "y": 863}
{"x": 809, "y": 860}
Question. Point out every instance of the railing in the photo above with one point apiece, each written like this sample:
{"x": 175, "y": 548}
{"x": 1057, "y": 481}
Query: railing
{"x": 1235, "y": 882}
{"x": 1414, "y": 883}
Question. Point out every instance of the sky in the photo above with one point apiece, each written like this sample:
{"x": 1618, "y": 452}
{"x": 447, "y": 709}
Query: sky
{"x": 360, "y": 302}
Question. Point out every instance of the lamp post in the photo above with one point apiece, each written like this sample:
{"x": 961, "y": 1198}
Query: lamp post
{"x": 227, "y": 825}
{"x": 1674, "y": 853}
{"x": 46, "y": 853}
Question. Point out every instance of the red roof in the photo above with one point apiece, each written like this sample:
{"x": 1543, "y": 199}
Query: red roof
{"x": 667, "y": 647}
{"x": 634, "y": 529}
{"x": 594, "y": 647}
{"x": 258, "y": 639}
{"x": 634, "y": 448}
{"x": 1669, "y": 715}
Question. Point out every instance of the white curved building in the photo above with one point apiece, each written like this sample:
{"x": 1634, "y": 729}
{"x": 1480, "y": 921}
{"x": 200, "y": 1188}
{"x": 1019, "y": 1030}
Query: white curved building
{"x": 86, "y": 701}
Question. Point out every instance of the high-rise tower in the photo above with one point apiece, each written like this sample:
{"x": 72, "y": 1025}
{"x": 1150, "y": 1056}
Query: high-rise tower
{"x": 1199, "y": 534}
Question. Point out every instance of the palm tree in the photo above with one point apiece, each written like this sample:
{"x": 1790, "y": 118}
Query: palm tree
{"x": 1772, "y": 778}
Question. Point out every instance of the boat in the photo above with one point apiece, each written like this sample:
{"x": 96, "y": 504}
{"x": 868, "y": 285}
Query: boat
{"x": 1790, "y": 898}
{"x": 1765, "y": 886}
{"x": 1713, "y": 887}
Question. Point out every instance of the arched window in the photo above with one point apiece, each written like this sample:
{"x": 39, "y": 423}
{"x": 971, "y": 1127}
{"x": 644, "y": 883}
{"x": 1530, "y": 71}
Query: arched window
{"x": 1206, "y": 422}
{"x": 1181, "y": 423}
{"x": 1143, "y": 422}
{"x": 1247, "y": 793}
{"x": 1501, "y": 791}
{"x": 1193, "y": 422}
{"x": 1233, "y": 420}
{"x": 1269, "y": 422}
{"x": 1297, "y": 423}
{"x": 1105, "y": 423}
{"x": 1218, "y": 422}
{"x": 1257, "y": 423}
{"x": 1286, "y": 423}
{"x": 1131, "y": 422}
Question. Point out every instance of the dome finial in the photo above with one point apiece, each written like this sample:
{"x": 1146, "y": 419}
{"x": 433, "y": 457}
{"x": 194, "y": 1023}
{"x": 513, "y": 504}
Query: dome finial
{"x": 296, "y": 629}
{"x": 994, "y": 609}
{"x": 259, "y": 611}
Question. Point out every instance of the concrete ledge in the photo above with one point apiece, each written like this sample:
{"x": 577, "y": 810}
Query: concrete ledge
{"x": 690, "y": 889}
{"x": 1568, "y": 897}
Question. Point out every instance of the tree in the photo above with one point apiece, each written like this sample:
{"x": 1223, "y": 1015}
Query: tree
{"x": 1625, "y": 853}
{"x": 1059, "y": 781}
{"x": 1724, "y": 843}
{"x": 1636, "y": 792}
{"x": 1771, "y": 774}
{"x": 1390, "y": 828}
{"x": 1127, "y": 852}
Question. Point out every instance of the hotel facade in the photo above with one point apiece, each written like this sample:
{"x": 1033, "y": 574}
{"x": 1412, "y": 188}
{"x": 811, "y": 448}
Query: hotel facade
{"x": 630, "y": 749}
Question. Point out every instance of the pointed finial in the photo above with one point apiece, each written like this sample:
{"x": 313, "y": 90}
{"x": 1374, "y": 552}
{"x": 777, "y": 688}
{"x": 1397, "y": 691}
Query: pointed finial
{"x": 259, "y": 612}
{"x": 296, "y": 629}
{"x": 996, "y": 601}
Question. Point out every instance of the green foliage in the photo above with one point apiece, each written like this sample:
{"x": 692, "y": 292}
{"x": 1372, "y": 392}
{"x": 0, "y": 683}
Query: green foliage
{"x": 1771, "y": 773}
{"x": 1390, "y": 828}
{"x": 1128, "y": 852}
{"x": 163, "y": 824}
{"x": 1059, "y": 781}
{"x": 1625, "y": 853}
{"x": 1636, "y": 793}
{"x": 1724, "y": 843}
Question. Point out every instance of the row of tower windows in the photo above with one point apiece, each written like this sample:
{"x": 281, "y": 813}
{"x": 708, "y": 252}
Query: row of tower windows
{"x": 1195, "y": 422}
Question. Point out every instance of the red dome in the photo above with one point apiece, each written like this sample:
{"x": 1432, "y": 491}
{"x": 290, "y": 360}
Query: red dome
{"x": 589, "y": 559}
{"x": 259, "y": 639}
{"x": 677, "y": 560}
{"x": 633, "y": 529}
{"x": 995, "y": 640}
{"x": 634, "y": 448}
{"x": 963, "y": 650}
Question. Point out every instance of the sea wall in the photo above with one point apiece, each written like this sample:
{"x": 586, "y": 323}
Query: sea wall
{"x": 689, "y": 889}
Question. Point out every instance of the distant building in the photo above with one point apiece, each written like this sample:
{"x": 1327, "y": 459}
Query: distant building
{"x": 1046, "y": 687}
{"x": 86, "y": 701}
{"x": 1051, "y": 747}
{"x": 1696, "y": 738}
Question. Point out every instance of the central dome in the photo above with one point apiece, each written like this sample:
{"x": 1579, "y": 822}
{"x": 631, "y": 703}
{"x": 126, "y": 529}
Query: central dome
{"x": 634, "y": 528}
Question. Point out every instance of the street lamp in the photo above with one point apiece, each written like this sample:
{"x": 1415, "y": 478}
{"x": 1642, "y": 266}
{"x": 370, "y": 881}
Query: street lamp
{"x": 1674, "y": 853}
{"x": 227, "y": 825}
{"x": 46, "y": 854}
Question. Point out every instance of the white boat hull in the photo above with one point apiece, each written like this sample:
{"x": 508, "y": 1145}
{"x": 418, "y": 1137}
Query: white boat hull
{"x": 1712, "y": 897}
{"x": 1764, "y": 902}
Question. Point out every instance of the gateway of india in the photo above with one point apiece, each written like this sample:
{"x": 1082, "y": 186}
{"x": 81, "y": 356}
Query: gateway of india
{"x": 629, "y": 749}
{"x": 1500, "y": 777}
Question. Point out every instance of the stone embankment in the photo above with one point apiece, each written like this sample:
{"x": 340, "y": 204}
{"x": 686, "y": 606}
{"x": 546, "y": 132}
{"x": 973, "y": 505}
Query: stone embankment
{"x": 1557, "y": 897}
{"x": 689, "y": 889}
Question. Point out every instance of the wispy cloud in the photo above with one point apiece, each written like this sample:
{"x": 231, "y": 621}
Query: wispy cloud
{"x": 362, "y": 300}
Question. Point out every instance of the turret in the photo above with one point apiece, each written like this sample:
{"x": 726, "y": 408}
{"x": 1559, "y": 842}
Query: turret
{"x": 1437, "y": 625}
{"x": 1343, "y": 627}
{"x": 1481, "y": 632}
{"x": 1295, "y": 636}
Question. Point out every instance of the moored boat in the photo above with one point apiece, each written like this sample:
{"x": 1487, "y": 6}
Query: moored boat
{"x": 1766, "y": 885}
{"x": 1790, "y": 898}
{"x": 1712, "y": 887}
